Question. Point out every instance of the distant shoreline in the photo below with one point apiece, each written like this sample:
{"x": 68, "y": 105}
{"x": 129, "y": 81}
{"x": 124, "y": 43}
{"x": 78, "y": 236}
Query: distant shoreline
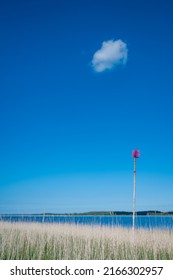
{"x": 99, "y": 213}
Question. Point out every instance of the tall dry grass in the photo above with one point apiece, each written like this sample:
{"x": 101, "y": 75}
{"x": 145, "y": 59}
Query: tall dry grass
{"x": 26, "y": 241}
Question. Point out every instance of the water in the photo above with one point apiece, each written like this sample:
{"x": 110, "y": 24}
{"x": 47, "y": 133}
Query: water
{"x": 165, "y": 222}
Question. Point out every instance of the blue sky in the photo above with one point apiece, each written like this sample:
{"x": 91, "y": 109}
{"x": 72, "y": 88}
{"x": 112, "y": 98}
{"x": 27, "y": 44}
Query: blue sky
{"x": 82, "y": 84}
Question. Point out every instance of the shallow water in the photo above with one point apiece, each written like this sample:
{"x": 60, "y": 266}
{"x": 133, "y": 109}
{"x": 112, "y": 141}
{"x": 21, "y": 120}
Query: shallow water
{"x": 125, "y": 221}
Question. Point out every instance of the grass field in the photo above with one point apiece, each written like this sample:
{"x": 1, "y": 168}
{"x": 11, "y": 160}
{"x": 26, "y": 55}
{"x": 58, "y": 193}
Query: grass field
{"x": 34, "y": 241}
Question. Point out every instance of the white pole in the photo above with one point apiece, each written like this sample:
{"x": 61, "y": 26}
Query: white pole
{"x": 43, "y": 216}
{"x": 134, "y": 195}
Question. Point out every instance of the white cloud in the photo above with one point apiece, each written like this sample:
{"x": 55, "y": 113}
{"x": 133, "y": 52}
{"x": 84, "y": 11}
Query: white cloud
{"x": 112, "y": 53}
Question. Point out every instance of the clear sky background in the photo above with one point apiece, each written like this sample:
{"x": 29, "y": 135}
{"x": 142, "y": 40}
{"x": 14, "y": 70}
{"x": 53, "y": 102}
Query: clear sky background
{"x": 82, "y": 84}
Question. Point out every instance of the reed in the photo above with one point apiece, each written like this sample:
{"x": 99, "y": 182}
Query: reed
{"x": 34, "y": 241}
